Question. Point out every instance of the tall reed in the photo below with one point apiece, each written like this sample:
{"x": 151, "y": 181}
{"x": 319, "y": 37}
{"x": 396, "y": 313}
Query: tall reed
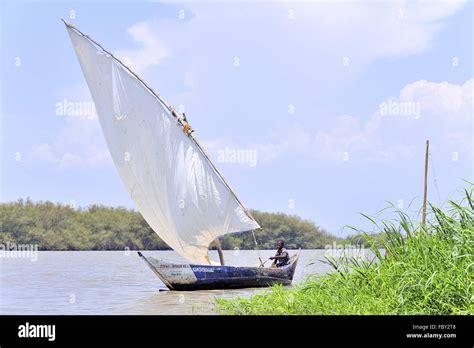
{"x": 426, "y": 269}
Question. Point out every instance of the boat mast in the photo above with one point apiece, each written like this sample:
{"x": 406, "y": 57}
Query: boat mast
{"x": 217, "y": 242}
{"x": 256, "y": 247}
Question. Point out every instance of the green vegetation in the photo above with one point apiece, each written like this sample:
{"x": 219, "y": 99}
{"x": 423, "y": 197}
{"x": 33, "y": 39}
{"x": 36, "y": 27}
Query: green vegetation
{"x": 428, "y": 270}
{"x": 60, "y": 227}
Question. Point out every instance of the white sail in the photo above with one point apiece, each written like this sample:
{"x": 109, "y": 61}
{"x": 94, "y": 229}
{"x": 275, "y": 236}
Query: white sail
{"x": 172, "y": 182}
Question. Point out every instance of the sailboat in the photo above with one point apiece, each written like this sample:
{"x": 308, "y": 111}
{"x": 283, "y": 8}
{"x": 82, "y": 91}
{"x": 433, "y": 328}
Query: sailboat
{"x": 169, "y": 176}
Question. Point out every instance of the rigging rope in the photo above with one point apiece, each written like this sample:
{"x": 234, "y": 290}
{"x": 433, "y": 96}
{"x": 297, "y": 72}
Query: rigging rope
{"x": 434, "y": 177}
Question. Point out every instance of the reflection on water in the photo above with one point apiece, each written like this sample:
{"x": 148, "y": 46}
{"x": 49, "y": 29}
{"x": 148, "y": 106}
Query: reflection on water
{"x": 116, "y": 282}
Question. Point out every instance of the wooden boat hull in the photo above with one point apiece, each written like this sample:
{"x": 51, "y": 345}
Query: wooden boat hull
{"x": 186, "y": 277}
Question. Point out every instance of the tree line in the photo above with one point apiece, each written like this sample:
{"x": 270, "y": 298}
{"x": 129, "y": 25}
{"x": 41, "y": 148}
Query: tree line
{"x": 53, "y": 226}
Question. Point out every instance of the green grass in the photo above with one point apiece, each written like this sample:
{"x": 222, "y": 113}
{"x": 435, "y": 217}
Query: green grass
{"x": 428, "y": 270}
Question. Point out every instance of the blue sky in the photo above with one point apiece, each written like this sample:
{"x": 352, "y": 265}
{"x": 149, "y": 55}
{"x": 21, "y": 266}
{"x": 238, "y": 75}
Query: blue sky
{"x": 303, "y": 86}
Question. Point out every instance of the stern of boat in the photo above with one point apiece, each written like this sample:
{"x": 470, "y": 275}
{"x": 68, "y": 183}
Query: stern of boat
{"x": 293, "y": 263}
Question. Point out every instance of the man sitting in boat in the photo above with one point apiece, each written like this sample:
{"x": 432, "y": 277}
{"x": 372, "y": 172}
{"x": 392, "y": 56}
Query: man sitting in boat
{"x": 282, "y": 258}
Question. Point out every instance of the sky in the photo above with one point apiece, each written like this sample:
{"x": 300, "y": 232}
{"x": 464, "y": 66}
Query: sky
{"x": 328, "y": 105}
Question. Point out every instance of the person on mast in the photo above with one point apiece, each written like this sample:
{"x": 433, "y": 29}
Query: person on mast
{"x": 186, "y": 126}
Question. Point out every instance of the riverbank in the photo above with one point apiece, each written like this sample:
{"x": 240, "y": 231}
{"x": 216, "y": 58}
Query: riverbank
{"x": 55, "y": 226}
{"x": 428, "y": 270}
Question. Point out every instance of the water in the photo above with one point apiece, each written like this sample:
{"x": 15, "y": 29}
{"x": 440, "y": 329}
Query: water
{"x": 116, "y": 282}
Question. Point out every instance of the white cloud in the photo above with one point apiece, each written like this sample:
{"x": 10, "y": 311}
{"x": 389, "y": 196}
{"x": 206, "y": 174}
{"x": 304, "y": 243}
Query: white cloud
{"x": 43, "y": 152}
{"x": 452, "y": 103}
{"x": 321, "y": 33}
{"x": 150, "y": 52}
{"x": 446, "y": 117}
{"x": 79, "y": 145}
{"x": 364, "y": 31}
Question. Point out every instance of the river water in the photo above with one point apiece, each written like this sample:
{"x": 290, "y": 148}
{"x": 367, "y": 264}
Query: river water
{"x": 116, "y": 282}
